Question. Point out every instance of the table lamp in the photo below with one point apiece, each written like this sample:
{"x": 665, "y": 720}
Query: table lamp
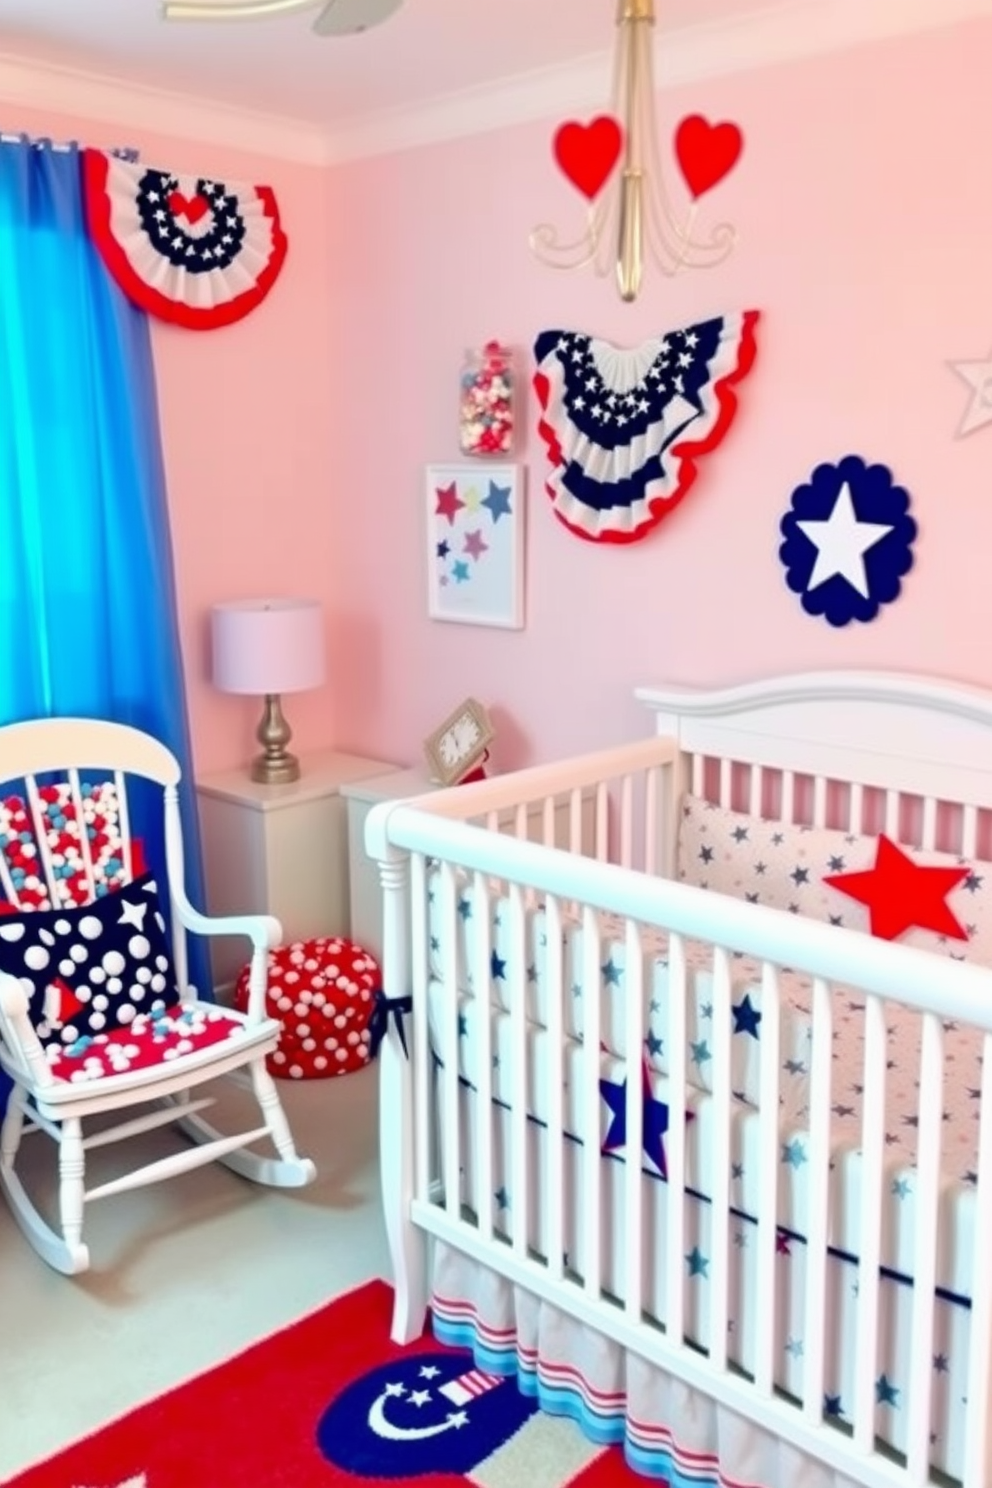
{"x": 265, "y": 647}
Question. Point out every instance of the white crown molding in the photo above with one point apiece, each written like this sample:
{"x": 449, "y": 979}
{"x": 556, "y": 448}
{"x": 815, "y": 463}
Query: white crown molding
{"x": 135, "y": 108}
{"x": 786, "y": 32}
{"x": 779, "y": 33}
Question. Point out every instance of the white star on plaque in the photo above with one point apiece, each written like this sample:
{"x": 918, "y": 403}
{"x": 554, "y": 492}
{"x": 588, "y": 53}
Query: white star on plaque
{"x": 841, "y": 542}
{"x": 978, "y": 376}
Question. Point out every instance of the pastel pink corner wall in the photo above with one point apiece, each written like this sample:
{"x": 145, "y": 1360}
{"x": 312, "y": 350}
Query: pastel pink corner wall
{"x": 246, "y": 432}
{"x": 865, "y": 221}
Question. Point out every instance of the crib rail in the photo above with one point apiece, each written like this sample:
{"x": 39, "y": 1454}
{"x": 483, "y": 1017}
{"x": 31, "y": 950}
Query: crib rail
{"x": 444, "y": 876}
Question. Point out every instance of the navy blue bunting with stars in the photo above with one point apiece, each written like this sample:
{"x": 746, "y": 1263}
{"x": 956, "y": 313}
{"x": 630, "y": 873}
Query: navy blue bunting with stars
{"x": 195, "y": 251}
{"x": 625, "y": 427}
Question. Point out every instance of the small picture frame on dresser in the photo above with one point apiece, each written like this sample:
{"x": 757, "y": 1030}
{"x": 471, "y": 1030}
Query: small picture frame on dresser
{"x": 475, "y": 544}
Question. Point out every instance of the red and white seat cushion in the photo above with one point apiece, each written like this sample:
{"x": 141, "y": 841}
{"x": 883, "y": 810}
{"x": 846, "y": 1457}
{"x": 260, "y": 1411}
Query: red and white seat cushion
{"x": 323, "y": 992}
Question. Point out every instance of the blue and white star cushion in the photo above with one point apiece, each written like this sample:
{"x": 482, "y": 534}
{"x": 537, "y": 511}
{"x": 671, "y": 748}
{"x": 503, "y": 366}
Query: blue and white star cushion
{"x": 624, "y": 428}
{"x": 782, "y": 865}
{"x": 200, "y": 253}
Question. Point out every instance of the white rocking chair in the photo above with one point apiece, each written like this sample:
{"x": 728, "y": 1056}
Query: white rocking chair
{"x": 95, "y": 1010}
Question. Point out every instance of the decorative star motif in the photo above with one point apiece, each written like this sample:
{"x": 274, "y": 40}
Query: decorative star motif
{"x": 132, "y": 914}
{"x": 449, "y": 503}
{"x": 886, "y": 1393}
{"x": 471, "y": 499}
{"x": 746, "y": 1017}
{"x": 901, "y": 894}
{"x": 443, "y": 549}
{"x": 498, "y": 501}
{"x": 475, "y": 545}
{"x": 459, "y": 572}
{"x": 841, "y": 543}
{"x": 978, "y": 376}
{"x": 654, "y": 1121}
{"x": 497, "y": 967}
{"x": 699, "y": 1265}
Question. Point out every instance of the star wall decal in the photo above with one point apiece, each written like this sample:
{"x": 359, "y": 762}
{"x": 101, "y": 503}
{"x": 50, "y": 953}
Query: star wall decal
{"x": 978, "y": 376}
{"x": 901, "y": 895}
{"x": 841, "y": 542}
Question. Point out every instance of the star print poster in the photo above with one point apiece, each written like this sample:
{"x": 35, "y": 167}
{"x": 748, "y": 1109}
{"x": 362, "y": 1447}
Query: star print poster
{"x": 848, "y": 541}
{"x": 475, "y": 534}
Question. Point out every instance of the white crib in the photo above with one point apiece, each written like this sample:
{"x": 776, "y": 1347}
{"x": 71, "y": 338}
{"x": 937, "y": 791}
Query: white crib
{"x": 501, "y": 901}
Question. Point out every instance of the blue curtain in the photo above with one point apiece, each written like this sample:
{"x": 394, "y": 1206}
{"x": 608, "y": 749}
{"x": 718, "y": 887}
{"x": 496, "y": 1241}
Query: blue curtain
{"x": 87, "y": 597}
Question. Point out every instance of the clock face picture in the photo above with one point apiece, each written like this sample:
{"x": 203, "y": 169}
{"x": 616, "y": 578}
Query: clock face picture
{"x": 459, "y": 742}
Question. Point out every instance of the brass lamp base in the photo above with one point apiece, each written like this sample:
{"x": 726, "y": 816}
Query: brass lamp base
{"x": 275, "y": 765}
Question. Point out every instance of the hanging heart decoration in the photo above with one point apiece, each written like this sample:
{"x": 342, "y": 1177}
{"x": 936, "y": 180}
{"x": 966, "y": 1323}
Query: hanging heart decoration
{"x": 588, "y": 153}
{"x": 706, "y": 152}
{"x": 190, "y": 207}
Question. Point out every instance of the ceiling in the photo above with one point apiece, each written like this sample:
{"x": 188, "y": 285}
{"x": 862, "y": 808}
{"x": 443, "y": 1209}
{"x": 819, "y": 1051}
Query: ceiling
{"x": 277, "y": 65}
{"x": 435, "y": 68}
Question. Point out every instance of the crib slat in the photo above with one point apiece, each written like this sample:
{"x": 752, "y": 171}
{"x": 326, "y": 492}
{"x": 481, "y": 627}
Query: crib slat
{"x": 892, "y": 814}
{"x": 969, "y": 831}
{"x": 520, "y": 822}
{"x": 675, "y": 1143}
{"x": 816, "y": 1327}
{"x": 870, "y": 1227}
{"x": 633, "y": 980}
{"x": 652, "y": 782}
{"x": 575, "y": 843}
{"x": 788, "y": 796}
{"x": 928, "y": 836}
{"x": 756, "y": 801}
{"x": 770, "y": 1059}
{"x": 627, "y": 822}
{"x": 856, "y": 808}
{"x": 976, "y": 1426}
{"x": 548, "y": 821}
{"x": 819, "y": 800}
{"x": 720, "y": 1208}
{"x": 555, "y": 992}
{"x": 698, "y": 774}
{"x": 726, "y": 783}
{"x": 591, "y": 1103}
{"x": 602, "y": 822}
{"x": 420, "y": 969}
{"x": 927, "y": 1199}
{"x": 483, "y": 1013}
{"x": 516, "y": 965}
{"x": 448, "y": 1031}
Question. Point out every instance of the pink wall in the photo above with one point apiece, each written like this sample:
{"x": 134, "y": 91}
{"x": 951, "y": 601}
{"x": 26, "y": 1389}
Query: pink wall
{"x": 295, "y": 441}
{"x": 866, "y": 242}
{"x": 246, "y": 428}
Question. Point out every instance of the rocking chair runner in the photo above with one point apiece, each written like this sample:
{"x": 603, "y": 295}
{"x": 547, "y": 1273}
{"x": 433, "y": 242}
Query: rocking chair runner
{"x": 95, "y": 1010}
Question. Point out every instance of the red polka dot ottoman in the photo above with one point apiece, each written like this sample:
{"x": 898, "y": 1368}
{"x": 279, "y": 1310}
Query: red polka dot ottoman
{"x": 323, "y": 992}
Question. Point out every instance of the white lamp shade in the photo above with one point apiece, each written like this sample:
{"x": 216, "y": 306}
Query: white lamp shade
{"x": 268, "y": 646}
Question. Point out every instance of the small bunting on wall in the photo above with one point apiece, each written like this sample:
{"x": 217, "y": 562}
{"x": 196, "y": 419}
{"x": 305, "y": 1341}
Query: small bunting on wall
{"x": 198, "y": 252}
{"x": 625, "y": 427}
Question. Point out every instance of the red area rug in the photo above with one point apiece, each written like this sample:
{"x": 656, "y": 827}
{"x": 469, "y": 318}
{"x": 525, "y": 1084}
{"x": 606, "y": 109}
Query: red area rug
{"x": 329, "y": 1402}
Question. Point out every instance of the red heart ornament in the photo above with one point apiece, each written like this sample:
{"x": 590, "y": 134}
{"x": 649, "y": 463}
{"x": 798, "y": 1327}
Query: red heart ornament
{"x": 190, "y": 207}
{"x": 706, "y": 152}
{"x": 587, "y": 153}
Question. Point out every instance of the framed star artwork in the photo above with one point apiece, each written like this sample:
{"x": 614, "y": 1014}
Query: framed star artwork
{"x": 475, "y": 544}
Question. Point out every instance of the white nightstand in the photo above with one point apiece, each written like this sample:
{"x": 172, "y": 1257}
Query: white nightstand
{"x": 279, "y": 849}
{"x": 363, "y": 874}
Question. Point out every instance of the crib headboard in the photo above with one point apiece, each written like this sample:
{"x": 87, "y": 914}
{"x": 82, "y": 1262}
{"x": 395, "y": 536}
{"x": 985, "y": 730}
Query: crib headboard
{"x": 865, "y": 751}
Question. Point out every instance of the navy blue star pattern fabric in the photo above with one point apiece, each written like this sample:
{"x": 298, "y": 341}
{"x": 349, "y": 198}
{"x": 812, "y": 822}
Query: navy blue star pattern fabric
{"x": 199, "y": 252}
{"x": 624, "y": 428}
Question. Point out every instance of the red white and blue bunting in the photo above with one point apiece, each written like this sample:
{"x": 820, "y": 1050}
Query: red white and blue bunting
{"x": 200, "y": 253}
{"x": 625, "y": 428}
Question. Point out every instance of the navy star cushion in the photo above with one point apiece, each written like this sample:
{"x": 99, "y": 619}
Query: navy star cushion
{"x": 91, "y": 970}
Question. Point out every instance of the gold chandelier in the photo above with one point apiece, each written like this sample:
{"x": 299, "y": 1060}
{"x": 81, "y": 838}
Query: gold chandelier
{"x": 631, "y": 215}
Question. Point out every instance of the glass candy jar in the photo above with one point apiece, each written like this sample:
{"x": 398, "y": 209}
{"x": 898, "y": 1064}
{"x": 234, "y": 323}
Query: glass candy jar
{"x": 486, "y": 410}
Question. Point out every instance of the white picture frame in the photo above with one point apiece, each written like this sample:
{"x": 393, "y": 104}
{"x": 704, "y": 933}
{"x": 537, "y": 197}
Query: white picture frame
{"x": 475, "y": 543}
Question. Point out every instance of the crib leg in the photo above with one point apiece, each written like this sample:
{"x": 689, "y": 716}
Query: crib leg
{"x": 407, "y": 1244}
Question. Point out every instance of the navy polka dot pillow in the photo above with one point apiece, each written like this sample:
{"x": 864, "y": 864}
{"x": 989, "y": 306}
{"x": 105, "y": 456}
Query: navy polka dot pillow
{"x": 91, "y": 970}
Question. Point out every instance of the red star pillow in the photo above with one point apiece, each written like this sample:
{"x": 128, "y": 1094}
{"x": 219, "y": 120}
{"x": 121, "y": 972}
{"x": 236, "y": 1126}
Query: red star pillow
{"x": 902, "y": 895}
